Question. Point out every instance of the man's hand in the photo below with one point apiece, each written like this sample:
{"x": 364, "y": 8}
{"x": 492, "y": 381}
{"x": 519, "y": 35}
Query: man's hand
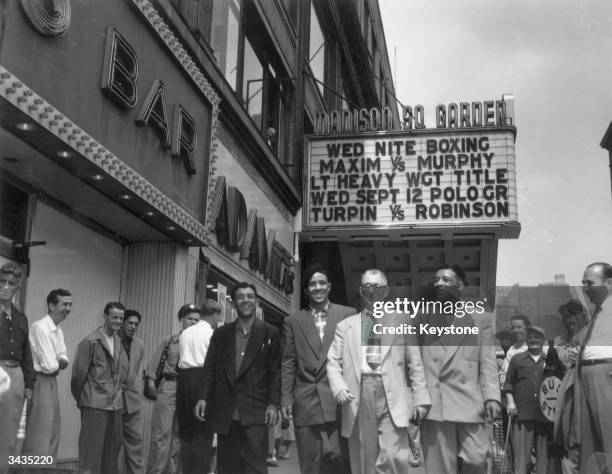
{"x": 344, "y": 397}
{"x": 200, "y": 410}
{"x": 287, "y": 412}
{"x": 27, "y": 392}
{"x": 63, "y": 363}
{"x": 511, "y": 409}
{"x": 271, "y": 416}
{"x": 419, "y": 413}
{"x": 572, "y": 355}
{"x": 492, "y": 409}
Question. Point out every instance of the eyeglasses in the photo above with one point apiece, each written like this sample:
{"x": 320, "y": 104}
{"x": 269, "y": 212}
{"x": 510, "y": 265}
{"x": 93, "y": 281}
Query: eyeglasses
{"x": 373, "y": 286}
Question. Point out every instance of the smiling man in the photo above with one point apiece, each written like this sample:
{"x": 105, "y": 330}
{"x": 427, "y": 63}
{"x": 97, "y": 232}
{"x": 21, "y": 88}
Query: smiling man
{"x": 306, "y": 396}
{"x": 463, "y": 383}
{"x": 49, "y": 357}
{"x": 15, "y": 359}
{"x": 240, "y": 391}
{"x": 99, "y": 373}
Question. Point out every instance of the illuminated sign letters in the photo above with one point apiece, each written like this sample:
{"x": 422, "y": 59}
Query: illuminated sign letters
{"x": 411, "y": 179}
{"x": 119, "y": 83}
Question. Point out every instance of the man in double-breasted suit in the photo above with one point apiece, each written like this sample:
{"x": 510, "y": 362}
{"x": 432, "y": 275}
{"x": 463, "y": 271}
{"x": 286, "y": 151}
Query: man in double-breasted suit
{"x": 379, "y": 382}
{"x": 306, "y": 396}
{"x": 240, "y": 390}
{"x": 130, "y": 460}
{"x": 461, "y": 373}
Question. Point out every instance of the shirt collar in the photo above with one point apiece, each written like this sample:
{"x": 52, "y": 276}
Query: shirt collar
{"x": 243, "y": 326}
{"x": 324, "y": 310}
{"x": 49, "y": 322}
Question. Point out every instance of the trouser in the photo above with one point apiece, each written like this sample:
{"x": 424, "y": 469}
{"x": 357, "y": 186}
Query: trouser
{"x": 43, "y": 428}
{"x": 319, "y": 449}
{"x": 444, "y": 442}
{"x": 11, "y": 406}
{"x": 196, "y": 437}
{"x": 596, "y": 384}
{"x": 527, "y": 435}
{"x": 131, "y": 461}
{"x": 165, "y": 446}
{"x": 99, "y": 440}
{"x": 376, "y": 444}
{"x": 242, "y": 450}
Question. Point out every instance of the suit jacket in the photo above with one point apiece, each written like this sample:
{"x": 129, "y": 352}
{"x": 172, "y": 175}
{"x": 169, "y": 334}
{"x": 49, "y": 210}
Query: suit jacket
{"x": 133, "y": 385}
{"x": 98, "y": 378}
{"x": 461, "y": 371}
{"x": 401, "y": 369}
{"x": 303, "y": 370}
{"x": 253, "y": 388}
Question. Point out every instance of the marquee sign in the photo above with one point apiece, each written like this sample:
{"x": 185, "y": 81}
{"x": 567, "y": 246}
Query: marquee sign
{"x": 411, "y": 178}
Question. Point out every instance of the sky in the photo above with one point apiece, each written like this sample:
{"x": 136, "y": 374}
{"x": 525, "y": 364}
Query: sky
{"x": 555, "y": 57}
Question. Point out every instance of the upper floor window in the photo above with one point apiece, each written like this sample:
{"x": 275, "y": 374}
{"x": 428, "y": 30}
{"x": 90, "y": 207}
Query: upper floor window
{"x": 225, "y": 37}
{"x": 316, "y": 56}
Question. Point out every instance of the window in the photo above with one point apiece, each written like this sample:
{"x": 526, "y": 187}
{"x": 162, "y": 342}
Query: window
{"x": 225, "y": 37}
{"x": 291, "y": 7}
{"x": 253, "y": 83}
{"x": 316, "y": 57}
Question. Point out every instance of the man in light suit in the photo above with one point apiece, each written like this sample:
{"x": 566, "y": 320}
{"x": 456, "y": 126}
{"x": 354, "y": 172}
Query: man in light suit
{"x": 130, "y": 459}
{"x": 461, "y": 372}
{"x": 305, "y": 394}
{"x": 379, "y": 382}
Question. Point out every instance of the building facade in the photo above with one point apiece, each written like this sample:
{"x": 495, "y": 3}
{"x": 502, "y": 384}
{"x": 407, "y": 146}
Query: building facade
{"x": 152, "y": 151}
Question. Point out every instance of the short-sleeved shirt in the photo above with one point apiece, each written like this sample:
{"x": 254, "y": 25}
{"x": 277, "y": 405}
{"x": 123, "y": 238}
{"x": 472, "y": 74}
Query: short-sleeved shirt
{"x": 524, "y": 380}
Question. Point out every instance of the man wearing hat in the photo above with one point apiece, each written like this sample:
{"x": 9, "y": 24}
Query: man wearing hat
{"x": 196, "y": 437}
{"x": 522, "y": 388}
{"x": 161, "y": 374}
{"x": 306, "y": 395}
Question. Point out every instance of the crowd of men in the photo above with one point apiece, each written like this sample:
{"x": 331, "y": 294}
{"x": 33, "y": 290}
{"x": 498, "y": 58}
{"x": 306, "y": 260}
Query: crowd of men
{"x": 361, "y": 401}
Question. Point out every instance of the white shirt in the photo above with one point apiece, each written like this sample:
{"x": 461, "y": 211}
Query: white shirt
{"x": 110, "y": 340}
{"x": 47, "y": 343}
{"x": 599, "y": 345}
{"x": 193, "y": 345}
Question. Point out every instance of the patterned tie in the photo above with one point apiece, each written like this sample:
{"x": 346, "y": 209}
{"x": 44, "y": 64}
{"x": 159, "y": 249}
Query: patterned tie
{"x": 373, "y": 351}
{"x": 320, "y": 319}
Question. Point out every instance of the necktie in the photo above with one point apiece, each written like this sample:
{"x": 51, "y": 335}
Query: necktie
{"x": 320, "y": 318}
{"x": 373, "y": 352}
{"x": 587, "y": 336}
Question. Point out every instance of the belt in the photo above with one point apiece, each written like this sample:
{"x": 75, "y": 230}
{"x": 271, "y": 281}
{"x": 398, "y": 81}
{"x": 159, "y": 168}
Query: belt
{"x": 169, "y": 376}
{"x": 10, "y": 363}
{"x": 370, "y": 375}
{"x": 595, "y": 361}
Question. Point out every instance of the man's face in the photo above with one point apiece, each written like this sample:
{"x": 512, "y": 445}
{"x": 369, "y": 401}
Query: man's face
{"x": 595, "y": 285}
{"x": 113, "y": 320}
{"x": 448, "y": 285}
{"x": 318, "y": 289}
{"x": 245, "y": 301}
{"x": 9, "y": 284}
{"x": 519, "y": 329}
{"x": 535, "y": 341}
{"x": 190, "y": 319}
{"x": 373, "y": 288}
{"x": 62, "y": 309}
{"x": 130, "y": 326}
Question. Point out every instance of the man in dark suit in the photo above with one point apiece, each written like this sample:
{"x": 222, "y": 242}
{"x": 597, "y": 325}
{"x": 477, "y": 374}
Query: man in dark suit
{"x": 240, "y": 390}
{"x": 306, "y": 396}
{"x": 130, "y": 461}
